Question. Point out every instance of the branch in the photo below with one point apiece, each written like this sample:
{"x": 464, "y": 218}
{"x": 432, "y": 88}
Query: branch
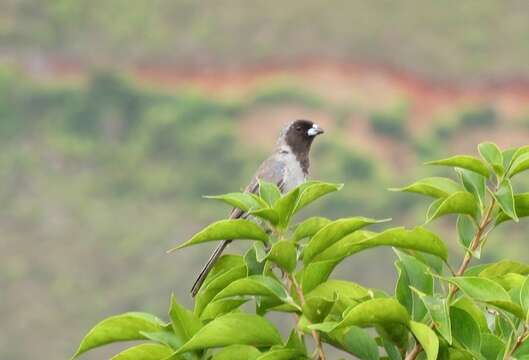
{"x": 476, "y": 242}
{"x": 315, "y": 335}
{"x": 519, "y": 342}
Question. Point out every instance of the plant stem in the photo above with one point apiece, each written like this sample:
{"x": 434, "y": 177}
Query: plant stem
{"x": 519, "y": 342}
{"x": 476, "y": 242}
{"x": 315, "y": 335}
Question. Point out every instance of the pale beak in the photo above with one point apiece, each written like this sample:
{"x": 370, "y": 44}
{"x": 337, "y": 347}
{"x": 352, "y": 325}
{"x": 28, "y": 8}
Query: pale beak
{"x": 315, "y": 130}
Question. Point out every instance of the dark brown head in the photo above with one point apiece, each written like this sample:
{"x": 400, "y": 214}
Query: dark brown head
{"x": 300, "y": 134}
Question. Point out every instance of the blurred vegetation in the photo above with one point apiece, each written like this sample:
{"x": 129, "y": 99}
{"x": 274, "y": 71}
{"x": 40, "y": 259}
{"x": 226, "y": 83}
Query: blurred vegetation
{"x": 100, "y": 178}
{"x": 447, "y": 39}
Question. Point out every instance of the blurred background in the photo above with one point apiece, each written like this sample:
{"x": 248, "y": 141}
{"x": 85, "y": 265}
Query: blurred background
{"x": 117, "y": 116}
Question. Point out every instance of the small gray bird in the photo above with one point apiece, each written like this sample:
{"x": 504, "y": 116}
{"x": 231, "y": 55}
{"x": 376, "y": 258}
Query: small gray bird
{"x": 287, "y": 167}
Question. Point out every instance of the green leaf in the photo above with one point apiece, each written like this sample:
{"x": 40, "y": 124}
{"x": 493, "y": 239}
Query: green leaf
{"x": 417, "y": 238}
{"x": 323, "y": 264}
{"x": 285, "y": 206}
{"x": 524, "y": 299}
{"x": 243, "y": 201}
{"x": 254, "y": 285}
{"x": 220, "y": 307}
{"x": 237, "y": 352}
{"x": 465, "y": 330}
{"x": 255, "y": 266}
{"x": 310, "y": 227}
{"x": 418, "y": 277}
{"x": 146, "y": 352}
{"x": 319, "y": 301}
{"x": 436, "y": 187}
{"x": 360, "y": 344}
{"x": 123, "y": 327}
{"x": 521, "y": 204}
{"x": 269, "y": 192}
{"x": 438, "y": 310}
{"x": 492, "y": 347}
{"x": 458, "y": 203}
{"x": 313, "y": 190}
{"x": 185, "y": 324}
{"x": 280, "y": 354}
{"x": 234, "y": 329}
{"x": 464, "y": 303}
{"x": 521, "y": 164}
{"x": 487, "y": 291}
{"x": 333, "y": 232}
{"x": 493, "y": 155}
{"x": 427, "y": 338}
{"x": 466, "y": 231}
{"x": 210, "y": 289}
{"x": 166, "y": 337}
{"x": 474, "y": 183}
{"x": 505, "y": 198}
{"x": 504, "y": 267}
{"x": 269, "y": 214}
{"x": 227, "y": 230}
{"x": 283, "y": 253}
{"x": 465, "y": 162}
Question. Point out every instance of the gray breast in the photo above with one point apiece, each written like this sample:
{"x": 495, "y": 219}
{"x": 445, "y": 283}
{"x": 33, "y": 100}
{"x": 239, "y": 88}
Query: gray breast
{"x": 293, "y": 174}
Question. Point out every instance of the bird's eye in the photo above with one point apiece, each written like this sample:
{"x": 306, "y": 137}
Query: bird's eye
{"x": 298, "y": 128}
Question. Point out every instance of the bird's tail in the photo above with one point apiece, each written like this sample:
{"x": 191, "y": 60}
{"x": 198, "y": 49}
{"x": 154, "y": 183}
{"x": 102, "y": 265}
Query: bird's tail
{"x": 207, "y": 268}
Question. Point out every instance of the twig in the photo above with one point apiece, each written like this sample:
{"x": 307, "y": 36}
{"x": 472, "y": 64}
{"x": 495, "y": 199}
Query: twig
{"x": 317, "y": 340}
{"x": 476, "y": 242}
{"x": 519, "y": 342}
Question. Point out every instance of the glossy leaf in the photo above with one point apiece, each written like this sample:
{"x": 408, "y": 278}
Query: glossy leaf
{"x": 493, "y": 155}
{"x": 254, "y": 264}
{"x": 220, "y": 307}
{"x": 427, "y": 338}
{"x": 212, "y": 288}
{"x": 458, "y": 203}
{"x": 254, "y": 285}
{"x": 466, "y": 231}
{"x": 492, "y": 347}
{"x": 438, "y": 310}
{"x": 521, "y": 164}
{"x": 524, "y": 299}
{"x": 146, "y": 352}
{"x": 283, "y": 253}
{"x": 521, "y": 203}
{"x": 269, "y": 192}
{"x": 123, "y": 327}
{"x": 165, "y": 337}
{"x": 465, "y": 162}
{"x": 474, "y": 183}
{"x": 284, "y": 207}
{"x": 184, "y": 323}
{"x": 227, "y": 230}
{"x": 311, "y": 191}
{"x": 310, "y": 227}
{"x": 243, "y": 201}
{"x": 487, "y": 291}
{"x": 505, "y": 198}
{"x": 333, "y": 232}
{"x": 504, "y": 267}
{"x": 358, "y": 342}
{"x": 464, "y": 303}
{"x": 417, "y": 238}
{"x": 234, "y": 329}
{"x": 465, "y": 330}
{"x": 436, "y": 187}
{"x": 237, "y": 352}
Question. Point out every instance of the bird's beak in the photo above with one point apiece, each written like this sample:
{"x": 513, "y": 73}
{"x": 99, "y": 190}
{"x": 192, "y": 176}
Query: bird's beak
{"x": 315, "y": 130}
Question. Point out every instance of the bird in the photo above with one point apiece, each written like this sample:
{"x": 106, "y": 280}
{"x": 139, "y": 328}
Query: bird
{"x": 287, "y": 167}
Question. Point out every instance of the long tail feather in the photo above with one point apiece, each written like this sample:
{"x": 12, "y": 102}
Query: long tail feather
{"x": 207, "y": 268}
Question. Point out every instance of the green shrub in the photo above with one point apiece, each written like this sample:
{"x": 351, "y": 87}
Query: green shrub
{"x": 391, "y": 122}
{"x": 436, "y": 312}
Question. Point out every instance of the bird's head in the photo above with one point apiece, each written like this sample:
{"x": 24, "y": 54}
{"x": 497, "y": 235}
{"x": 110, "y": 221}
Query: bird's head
{"x": 300, "y": 134}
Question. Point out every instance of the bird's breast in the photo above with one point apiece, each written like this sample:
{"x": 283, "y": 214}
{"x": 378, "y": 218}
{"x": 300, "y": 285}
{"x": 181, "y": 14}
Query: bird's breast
{"x": 294, "y": 174}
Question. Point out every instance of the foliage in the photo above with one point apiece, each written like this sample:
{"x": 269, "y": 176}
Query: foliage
{"x": 479, "y": 312}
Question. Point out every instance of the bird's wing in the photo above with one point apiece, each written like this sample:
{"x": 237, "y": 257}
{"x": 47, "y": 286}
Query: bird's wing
{"x": 271, "y": 170}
